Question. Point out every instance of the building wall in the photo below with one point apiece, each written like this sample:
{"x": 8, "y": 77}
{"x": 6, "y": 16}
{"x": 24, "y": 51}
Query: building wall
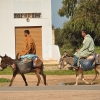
{"x": 8, "y": 24}
{"x": 53, "y": 37}
{"x": 7, "y": 39}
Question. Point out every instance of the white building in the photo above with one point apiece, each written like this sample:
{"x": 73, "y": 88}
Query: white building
{"x": 34, "y": 15}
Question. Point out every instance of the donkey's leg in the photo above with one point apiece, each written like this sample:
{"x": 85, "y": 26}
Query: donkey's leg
{"x": 37, "y": 72}
{"x": 82, "y": 78}
{"x": 13, "y": 77}
{"x": 77, "y": 74}
{"x": 23, "y": 76}
{"x": 44, "y": 77}
{"x": 96, "y": 75}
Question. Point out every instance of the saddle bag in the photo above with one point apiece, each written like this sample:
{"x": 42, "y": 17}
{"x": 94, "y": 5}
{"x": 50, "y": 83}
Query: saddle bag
{"x": 87, "y": 64}
{"x": 97, "y": 59}
{"x": 24, "y": 67}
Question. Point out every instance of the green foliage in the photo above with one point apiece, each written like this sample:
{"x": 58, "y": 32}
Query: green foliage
{"x": 67, "y": 42}
{"x": 97, "y": 50}
{"x": 59, "y": 37}
{"x": 68, "y": 8}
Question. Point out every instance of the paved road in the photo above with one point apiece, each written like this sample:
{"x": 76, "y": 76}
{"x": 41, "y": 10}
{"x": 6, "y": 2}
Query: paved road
{"x": 69, "y": 92}
{"x": 60, "y": 87}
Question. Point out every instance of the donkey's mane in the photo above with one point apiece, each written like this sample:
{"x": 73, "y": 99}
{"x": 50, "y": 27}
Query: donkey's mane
{"x": 9, "y": 60}
{"x": 9, "y": 57}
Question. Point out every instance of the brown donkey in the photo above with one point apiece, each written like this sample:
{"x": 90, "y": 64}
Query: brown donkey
{"x": 70, "y": 60}
{"x": 7, "y": 61}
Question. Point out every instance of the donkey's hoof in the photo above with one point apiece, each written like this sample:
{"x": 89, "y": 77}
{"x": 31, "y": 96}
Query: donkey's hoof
{"x": 91, "y": 83}
{"x": 75, "y": 84}
{"x": 45, "y": 84}
{"x": 87, "y": 83}
{"x": 26, "y": 85}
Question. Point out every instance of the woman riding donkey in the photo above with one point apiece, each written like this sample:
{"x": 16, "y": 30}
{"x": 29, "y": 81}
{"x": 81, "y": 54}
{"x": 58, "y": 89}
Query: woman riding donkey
{"x": 85, "y": 51}
{"x": 30, "y": 47}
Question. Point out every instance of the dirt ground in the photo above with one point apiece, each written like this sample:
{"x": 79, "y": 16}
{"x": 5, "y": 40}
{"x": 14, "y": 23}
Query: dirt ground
{"x": 52, "y": 80}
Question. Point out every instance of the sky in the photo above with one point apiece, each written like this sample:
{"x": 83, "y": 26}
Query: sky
{"x": 57, "y": 21}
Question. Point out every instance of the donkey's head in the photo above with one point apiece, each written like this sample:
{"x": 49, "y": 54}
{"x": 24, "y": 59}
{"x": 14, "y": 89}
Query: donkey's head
{"x": 65, "y": 61}
{"x": 4, "y": 62}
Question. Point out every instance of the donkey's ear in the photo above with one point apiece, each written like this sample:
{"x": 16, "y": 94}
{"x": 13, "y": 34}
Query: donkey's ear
{"x": 5, "y": 55}
{"x": 0, "y": 56}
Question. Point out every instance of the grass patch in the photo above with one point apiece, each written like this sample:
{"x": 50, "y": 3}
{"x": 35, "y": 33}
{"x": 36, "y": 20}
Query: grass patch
{"x": 66, "y": 72}
{"x": 3, "y": 80}
{"x": 8, "y": 71}
{"x": 59, "y": 72}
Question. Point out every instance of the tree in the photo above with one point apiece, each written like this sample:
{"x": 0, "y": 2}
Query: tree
{"x": 68, "y": 8}
{"x": 58, "y": 37}
{"x": 83, "y": 14}
{"x": 64, "y": 42}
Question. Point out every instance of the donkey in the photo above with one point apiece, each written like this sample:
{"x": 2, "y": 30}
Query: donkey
{"x": 64, "y": 60}
{"x": 8, "y": 61}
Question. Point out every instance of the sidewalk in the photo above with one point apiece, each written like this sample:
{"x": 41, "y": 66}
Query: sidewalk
{"x": 50, "y": 62}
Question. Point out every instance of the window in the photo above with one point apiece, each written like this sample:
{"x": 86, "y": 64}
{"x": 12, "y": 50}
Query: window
{"x": 27, "y": 15}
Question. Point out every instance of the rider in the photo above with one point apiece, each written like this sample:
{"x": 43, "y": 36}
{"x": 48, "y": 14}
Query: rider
{"x": 86, "y": 50}
{"x": 30, "y": 47}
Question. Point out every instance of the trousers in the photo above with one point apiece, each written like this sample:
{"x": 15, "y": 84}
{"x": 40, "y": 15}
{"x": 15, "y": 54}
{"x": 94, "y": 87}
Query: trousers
{"x": 76, "y": 59}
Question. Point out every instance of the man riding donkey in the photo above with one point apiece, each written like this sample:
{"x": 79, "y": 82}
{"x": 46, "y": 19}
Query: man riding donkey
{"x": 85, "y": 51}
{"x": 30, "y": 48}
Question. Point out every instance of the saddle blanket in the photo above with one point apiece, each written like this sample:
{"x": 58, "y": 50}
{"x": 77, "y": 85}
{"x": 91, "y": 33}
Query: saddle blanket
{"x": 28, "y": 57}
{"x": 33, "y": 56}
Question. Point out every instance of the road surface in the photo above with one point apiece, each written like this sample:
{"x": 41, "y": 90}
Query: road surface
{"x": 51, "y": 92}
{"x": 56, "y": 90}
{"x": 50, "y": 88}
